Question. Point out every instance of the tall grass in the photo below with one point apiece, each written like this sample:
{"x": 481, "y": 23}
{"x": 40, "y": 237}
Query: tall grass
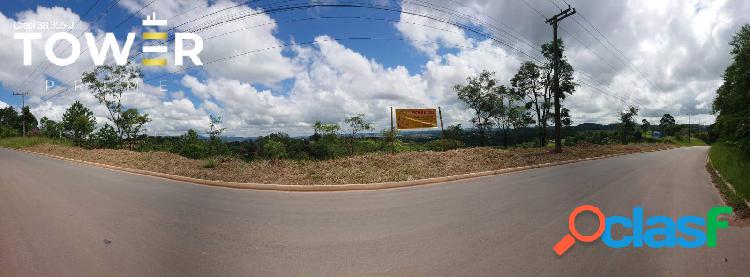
{"x": 23, "y": 142}
{"x": 733, "y": 165}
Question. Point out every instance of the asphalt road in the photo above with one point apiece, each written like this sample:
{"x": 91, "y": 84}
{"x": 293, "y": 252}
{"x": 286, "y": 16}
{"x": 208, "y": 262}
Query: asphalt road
{"x": 63, "y": 219}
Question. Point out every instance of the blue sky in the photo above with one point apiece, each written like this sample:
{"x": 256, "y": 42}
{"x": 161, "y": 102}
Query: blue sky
{"x": 339, "y": 61}
{"x": 297, "y": 25}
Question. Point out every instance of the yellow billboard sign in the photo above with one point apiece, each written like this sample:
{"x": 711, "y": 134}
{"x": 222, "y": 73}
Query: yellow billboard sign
{"x": 416, "y": 118}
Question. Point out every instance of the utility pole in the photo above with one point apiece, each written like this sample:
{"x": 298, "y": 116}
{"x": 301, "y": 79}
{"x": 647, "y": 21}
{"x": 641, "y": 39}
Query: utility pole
{"x": 689, "y": 127}
{"x": 23, "y": 104}
{"x": 556, "y": 79}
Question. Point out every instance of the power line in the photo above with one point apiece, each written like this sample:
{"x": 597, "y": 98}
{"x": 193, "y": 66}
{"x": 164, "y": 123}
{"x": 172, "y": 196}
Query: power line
{"x": 631, "y": 64}
{"x": 289, "y": 8}
{"x": 434, "y": 18}
{"x": 535, "y": 9}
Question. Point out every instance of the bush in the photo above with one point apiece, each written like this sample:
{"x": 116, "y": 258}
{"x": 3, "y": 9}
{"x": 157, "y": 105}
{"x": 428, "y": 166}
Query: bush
{"x": 245, "y": 150}
{"x": 190, "y": 146}
{"x": 637, "y": 136}
{"x": 366, "y": 146}
{"x": 273, "y": 149}
{"x": 196, "y": 150}
{"x": 443, "y": 145}
{"x": 570, "y": 141}
{"x": 106, "y": 137}
{"x": 321, "y": 150}
{"x": 8, "y": 132}
{"x": 528, "y": 144}
{"x": 210, "y": 163}
{"x": 217, "y": 147}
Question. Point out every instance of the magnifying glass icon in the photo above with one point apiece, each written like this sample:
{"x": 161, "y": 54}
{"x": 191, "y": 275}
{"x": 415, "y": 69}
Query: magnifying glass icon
{"x": 569, "y": 239}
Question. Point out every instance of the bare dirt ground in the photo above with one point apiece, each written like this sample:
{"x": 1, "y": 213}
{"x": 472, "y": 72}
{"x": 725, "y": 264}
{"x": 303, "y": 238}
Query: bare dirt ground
{"x": 368, "y": 168}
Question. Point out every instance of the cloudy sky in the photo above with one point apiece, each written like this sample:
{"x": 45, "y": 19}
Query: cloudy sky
{"x": 281, "y": 65}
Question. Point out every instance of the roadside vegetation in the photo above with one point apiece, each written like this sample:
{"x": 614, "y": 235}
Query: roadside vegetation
{"x": 365, "y": 168}
{"x": 730, "y": 135}
{"x": 733, "y": 166}
{"x": 21, "y": 142}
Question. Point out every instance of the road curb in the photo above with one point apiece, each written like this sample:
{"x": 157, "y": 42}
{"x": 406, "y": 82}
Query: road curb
{"x": 331, "y": 188}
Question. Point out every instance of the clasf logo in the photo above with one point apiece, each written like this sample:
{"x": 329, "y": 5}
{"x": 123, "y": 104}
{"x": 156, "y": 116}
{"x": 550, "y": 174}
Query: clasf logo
{"x": 647, "y": 233}
{"x": 120, "y": 54}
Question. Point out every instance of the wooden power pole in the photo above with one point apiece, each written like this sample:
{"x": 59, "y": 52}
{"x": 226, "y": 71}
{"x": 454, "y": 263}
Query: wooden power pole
{"x": 23, "y": 104}
{"x": 556, "y": 79}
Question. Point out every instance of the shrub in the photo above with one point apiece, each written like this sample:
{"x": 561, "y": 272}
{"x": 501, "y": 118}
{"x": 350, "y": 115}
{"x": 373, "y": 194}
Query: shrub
{"x": 326, "y": 150}
{"x": 190, "y": 146}
{"x": 274, "y": 149}
{"x": 210, "y": 163}
{"x": 106, "y": 137}
{"x": 8, "y": 132}
{"x": 366, "y": 146}
{"x": 443, "y": 145}
{"x": 216, "y": 147}
{"x": 400, "y": 146}
{"x": 197, "y": 150}
{"x": 246, "y": 150}
{"x": 528, "y": 144}
{"x": 570, "y": 141}
{"x": 637, "y": 136}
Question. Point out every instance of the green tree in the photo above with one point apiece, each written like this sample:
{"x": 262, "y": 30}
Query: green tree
{"x": 528, "y": 82}
{"x": 106, "y": 137}
{"x": 107, "y": 83}
{"x": 9, "y": 121}
{"x": 479, "y": 94}
{"x": 357, "y": 124}
{"x": 454, "y": 132}
{"x": 567, "y": 81}
{"x": 326, "y": 129}
{"x": 215, "y": 145}
{"x": 732, "y": 103}
{"x": 78, "y": 122}
{"x": 28, "y": 120}
{"x": 509, "y": 114}
{"x": 567, "y": 84}
{"x": 191, "y": 146}
{"x": 646, "y": 127}
{"x": 668, "y": 125}
{"x": 131, "y": 122}
{"x": 50, "y": 128}
{"x": 274, "y": 149}
{"x": 214, "y": 129}
{"x": 627, "y": 123}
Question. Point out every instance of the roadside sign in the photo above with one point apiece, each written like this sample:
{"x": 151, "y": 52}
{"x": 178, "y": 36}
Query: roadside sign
{"x": 416, "y": 118}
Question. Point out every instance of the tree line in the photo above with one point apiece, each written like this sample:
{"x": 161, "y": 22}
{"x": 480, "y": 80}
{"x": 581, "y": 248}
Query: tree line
{"x": 732, "y": 102}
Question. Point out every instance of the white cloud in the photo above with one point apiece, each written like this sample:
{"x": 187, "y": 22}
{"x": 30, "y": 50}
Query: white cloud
{"x": 337, "y": 83}
{"x": 680, "y": 47}
{"x": 252, "y": 30}
{"x": 428, "y": 36}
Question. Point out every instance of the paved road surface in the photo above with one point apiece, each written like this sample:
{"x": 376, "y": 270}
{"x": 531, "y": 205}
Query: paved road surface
{"x": 63, "y": 219}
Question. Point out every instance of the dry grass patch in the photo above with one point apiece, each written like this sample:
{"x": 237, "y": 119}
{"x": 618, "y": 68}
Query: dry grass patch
{"x": 368, "y": 168}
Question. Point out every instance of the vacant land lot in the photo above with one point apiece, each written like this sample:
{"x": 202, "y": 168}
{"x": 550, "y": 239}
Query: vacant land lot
{"x": 369, "y": 168}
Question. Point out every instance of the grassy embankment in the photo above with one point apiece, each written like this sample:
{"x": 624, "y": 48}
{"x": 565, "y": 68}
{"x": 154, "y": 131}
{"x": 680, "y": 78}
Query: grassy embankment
{"x": 734, "y": 167}
{"x": 24, "y": 142}
{"x": 366, "y": 168}
{"x": 692, "y": 142}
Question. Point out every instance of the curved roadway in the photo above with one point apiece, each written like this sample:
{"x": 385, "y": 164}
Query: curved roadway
{"x": 64, "y": 219}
